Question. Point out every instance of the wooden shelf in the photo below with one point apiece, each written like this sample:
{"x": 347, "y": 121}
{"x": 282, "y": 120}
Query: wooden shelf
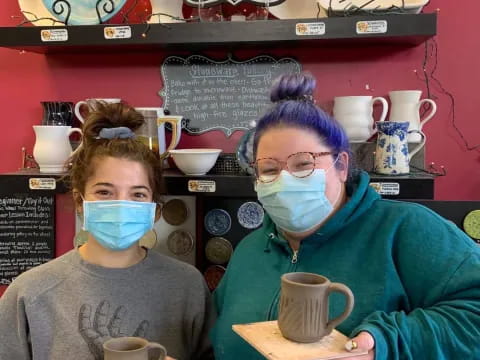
{"x": 409, "y": 29}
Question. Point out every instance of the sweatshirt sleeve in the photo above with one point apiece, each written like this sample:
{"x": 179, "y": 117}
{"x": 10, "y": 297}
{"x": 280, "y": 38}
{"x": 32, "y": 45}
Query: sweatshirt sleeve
{"x": 440, "y": 270}
{"x": 14, "y": 344}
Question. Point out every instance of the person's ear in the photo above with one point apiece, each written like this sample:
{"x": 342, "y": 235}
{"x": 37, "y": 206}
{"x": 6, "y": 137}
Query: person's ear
{"x": 78, "y": 201}
{"x": 342, "y": 165}
{"x": 158, "y": 211}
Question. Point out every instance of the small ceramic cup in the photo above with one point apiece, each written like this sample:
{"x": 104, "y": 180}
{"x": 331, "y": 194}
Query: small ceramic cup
{"x": 132, "y": 348}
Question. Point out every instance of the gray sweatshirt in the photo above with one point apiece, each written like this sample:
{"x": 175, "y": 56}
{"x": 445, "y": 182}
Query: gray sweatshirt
{"x": 67, "y": 308}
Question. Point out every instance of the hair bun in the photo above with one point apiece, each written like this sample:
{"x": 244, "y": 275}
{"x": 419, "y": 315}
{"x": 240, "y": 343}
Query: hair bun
{"x": 293, "y": 87}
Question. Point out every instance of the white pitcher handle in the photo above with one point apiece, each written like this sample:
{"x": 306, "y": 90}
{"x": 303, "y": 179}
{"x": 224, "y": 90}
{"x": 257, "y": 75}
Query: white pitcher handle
{"x": 76, "y": 130}
{"x": 432, "y": 112}
{"x": 420, "y": 145}
{"x": 384, "y": 112}
{"x": 78, "y": 105}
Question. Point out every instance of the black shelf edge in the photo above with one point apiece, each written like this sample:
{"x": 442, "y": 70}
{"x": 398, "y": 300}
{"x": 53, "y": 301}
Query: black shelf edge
{"x": 409, "y": 29}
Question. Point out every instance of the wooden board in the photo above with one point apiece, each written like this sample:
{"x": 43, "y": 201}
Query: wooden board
{"x": 267, "y": 339}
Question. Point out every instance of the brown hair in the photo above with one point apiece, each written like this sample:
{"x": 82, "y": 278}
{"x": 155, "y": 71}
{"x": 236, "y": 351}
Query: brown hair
{"x": 82, "y": 162}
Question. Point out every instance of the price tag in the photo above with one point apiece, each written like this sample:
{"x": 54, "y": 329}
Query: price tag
{"x": 372, "y": 27}
{"x": 305, "y": 29}
{"x": 386, "y": 188}
{"x": 42, "y": 184}
{"x": 52, "y": 35}
{"x": 117, "y": 32}
{"x": 201, "y": 186}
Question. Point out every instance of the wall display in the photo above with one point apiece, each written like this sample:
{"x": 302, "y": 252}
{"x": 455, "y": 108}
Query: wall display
{"x": 220, "y": 95}
{"x": 471, "y": 224}
{"x": 218, "y": 250}
{"x": 27, "y": 230}
{"x": 217, "y": 222}
{"x": 213, "y": 275}
{"x": 245, "y": 151}
{"x": 250, "y": 215}
{"x": 175, "y": 212}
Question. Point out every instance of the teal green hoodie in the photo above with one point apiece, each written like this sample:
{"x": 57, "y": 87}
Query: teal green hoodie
{"x": 415, "y": 277}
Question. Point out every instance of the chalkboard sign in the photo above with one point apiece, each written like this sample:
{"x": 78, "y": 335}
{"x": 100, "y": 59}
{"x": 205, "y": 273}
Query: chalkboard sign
{"x": 225, "y": 95}
{"x": 27, "y": 231}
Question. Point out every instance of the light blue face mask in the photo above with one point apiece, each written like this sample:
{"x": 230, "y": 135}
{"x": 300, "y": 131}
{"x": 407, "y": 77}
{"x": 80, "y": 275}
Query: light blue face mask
{"x": 118, "y": 224}
{"x": 296, "y": 204}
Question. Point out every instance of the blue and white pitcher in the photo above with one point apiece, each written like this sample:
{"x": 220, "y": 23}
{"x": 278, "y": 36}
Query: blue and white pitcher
{"x": 392, "y": 156}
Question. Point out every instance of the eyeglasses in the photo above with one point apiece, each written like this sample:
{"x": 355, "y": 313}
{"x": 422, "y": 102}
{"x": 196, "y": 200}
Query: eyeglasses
{"x": 300, "y": 165}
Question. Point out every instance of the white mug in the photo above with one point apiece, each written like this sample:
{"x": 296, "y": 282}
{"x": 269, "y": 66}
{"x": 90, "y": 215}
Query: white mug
{"x": 355, "y": 114}
{"x": 90, "y": 103}
{"x": 406, "y": 105}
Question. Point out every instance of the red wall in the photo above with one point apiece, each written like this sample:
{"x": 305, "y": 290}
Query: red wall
{"x": 27, "y": 79}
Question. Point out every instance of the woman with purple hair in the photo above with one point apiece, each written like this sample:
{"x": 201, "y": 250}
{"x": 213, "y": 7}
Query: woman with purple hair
{"x": 415, "y": 276}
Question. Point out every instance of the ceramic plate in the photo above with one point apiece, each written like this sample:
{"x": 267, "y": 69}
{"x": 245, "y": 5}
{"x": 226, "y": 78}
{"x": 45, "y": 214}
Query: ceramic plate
{"x": 180, "y": 242}
{"x": 250, "y": 215}
{"x": 83, "y": 12}
{"x": 35, "y": 9}
{"x": 213, "y": 275}
{"x": 245, "y": 151}
{"x": 217, "y": 222}
{"x": 339, "y": 6}
{"x": 297, "y": 9}
{"x": 175, "y": 212}
{"x": 170, "y": 7}
{"x": 471, "y": 224}
{"x": 218, "y": 250}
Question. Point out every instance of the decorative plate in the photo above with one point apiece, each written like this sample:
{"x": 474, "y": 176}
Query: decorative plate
{"x": 471, "y": 224}
{"x": 149, "y": 240}
{"x": 35, "y": 9}
{"x": 85, "y": 12}
{"x": 175, "y": 212}
{"x": 250, "y": 215}
{"x": 245, "y": 151}
{"x": 218, "y": 250}
{"x": 213, "y": 275}
{"x": 180, "y": 242}
{"x": 170, "y": 7}
{"x": 80, "y": 238}
{"x": 217, "y": 222}
{"x": 298, "y": 9}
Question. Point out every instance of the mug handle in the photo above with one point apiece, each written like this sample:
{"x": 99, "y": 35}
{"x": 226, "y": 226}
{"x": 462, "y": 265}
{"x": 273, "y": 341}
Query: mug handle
{"x": 420, "y": 145}
{"x": 76, "y": 130}
{"x": 384, "y": 112}
{"x": 172, "y": 144}
{"x": 77, "y": 110}
{"x": 432, "y": 112}
{"x": 154, "y": 345}
{"x": 348, "y": 308}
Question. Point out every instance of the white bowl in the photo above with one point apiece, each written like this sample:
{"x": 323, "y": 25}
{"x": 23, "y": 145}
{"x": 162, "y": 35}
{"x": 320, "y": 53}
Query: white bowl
{"x": 195, "y": 161}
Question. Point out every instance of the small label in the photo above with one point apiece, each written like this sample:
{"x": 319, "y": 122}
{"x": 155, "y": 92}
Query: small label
{"x": 372, "y": 27}
{"x": 201, "y": 186}
{"x": 302, "y": 29}
{"x": 117, "y": 32}
{"x": 50, "y": 35}
{"x": 386, "y": 188}
{"x": 42, "y": 183}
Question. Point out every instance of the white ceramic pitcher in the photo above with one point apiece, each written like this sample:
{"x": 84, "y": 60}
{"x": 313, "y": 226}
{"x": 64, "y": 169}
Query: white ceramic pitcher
{"x": 355, "y": 114}
{"x": 406, "y": 105}
{"x": 52, "y": 147}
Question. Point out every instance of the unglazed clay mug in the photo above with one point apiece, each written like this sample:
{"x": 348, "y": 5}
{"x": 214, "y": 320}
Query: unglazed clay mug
{"x": 303, "y": 308}
{"x": 132, "y": 348}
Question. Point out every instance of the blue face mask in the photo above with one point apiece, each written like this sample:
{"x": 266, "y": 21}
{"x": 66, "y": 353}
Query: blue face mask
{"x": 118, "y": 224}
{"x": 296, "y": 204}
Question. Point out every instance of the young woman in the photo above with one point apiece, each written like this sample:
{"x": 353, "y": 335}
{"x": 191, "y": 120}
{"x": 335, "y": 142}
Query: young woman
{"x": 110, "y": 286}
{"x": 415, "y": 276}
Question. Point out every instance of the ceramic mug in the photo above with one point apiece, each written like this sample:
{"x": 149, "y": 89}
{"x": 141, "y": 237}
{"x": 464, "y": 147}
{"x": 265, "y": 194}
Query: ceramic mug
{"x": 406, "y": 105}
{"x": 52, "y": 147}
{"x": 132, "y": 348}
{"x": 355, "y": 114}
{"x": 303, "y": 307}
{"x": 91, "y": 105}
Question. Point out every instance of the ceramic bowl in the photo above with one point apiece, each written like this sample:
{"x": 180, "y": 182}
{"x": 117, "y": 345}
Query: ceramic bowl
{"x": 195, "y": 161}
